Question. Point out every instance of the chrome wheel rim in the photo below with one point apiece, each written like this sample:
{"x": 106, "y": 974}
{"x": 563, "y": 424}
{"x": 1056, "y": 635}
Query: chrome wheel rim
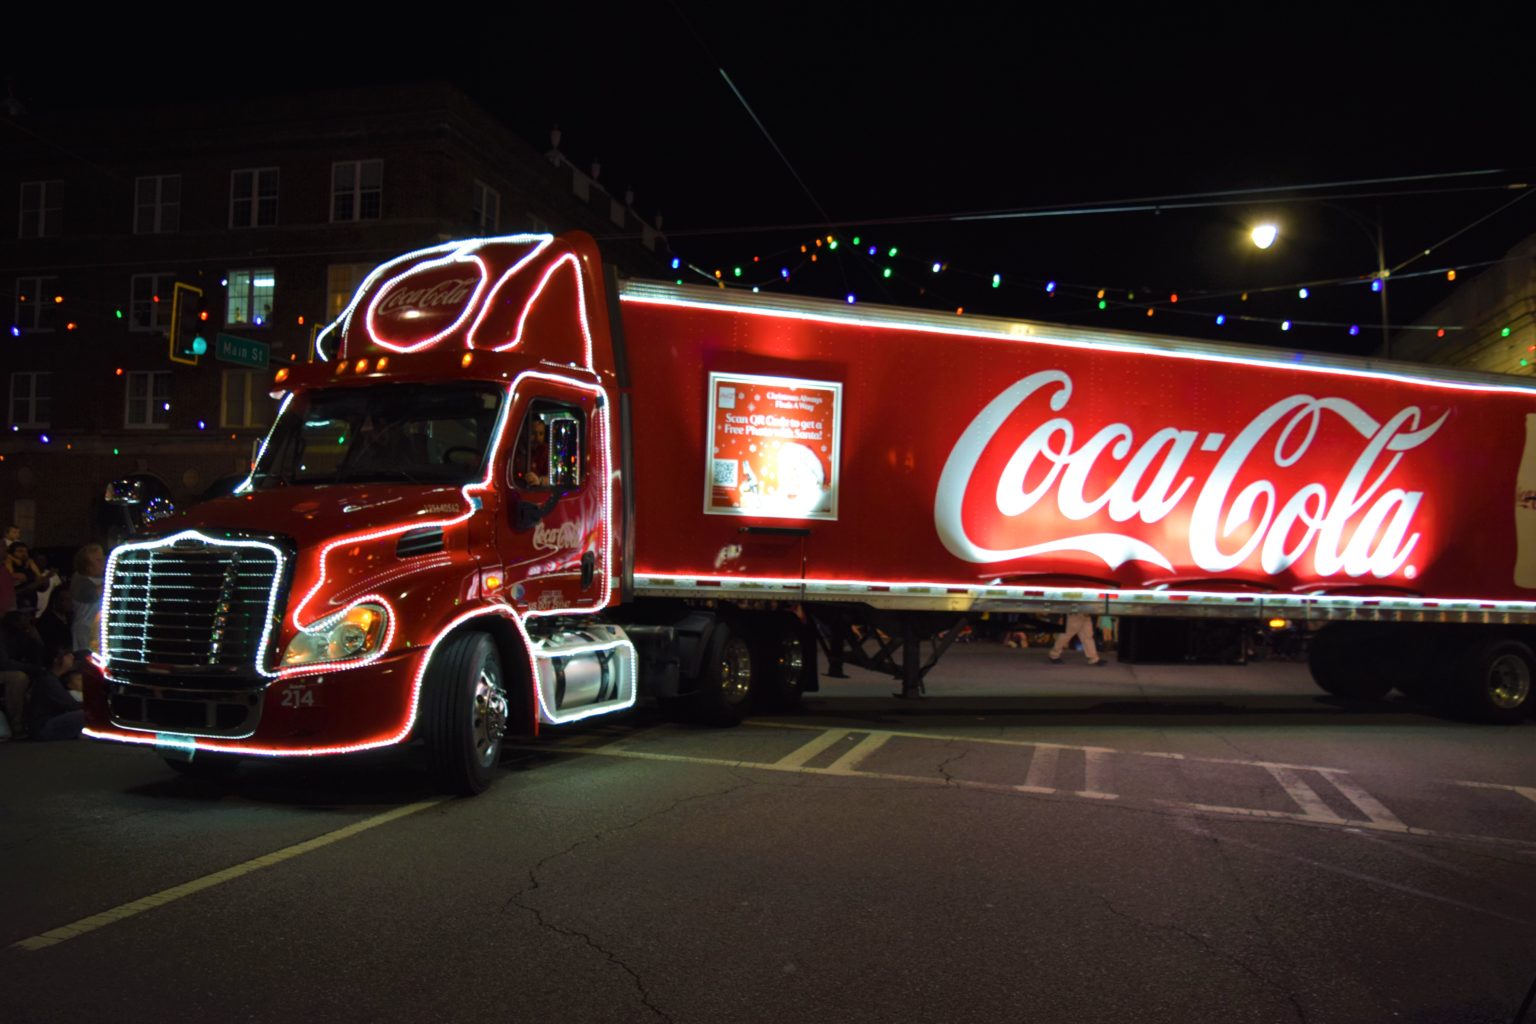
{"x": 1509, "y": 681}
{"x": 735, "y": 671}
{"x": 490, "y": 717}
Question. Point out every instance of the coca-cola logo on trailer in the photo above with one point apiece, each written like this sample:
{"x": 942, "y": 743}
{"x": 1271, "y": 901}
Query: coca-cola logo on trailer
{"x": 1305, "y": 482}
{"x": 421, "y": 304}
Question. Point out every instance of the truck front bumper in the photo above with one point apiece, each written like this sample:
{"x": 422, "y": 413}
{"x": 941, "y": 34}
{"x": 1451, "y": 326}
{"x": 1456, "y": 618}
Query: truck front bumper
{"x": 373, "y": 705}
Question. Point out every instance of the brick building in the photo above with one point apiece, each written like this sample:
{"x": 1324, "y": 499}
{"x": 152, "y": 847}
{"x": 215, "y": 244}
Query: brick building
{"x": 274, "y": 208}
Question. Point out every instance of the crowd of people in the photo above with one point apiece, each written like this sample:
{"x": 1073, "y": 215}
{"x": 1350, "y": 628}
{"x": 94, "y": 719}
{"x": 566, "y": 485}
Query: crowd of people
{"x": 48, "y": 623}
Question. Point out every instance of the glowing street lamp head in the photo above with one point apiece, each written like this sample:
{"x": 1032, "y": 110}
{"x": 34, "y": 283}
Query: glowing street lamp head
{"x": 1264, "y": 235}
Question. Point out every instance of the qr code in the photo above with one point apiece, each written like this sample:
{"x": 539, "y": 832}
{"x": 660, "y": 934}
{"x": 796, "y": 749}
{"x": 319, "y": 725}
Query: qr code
{"x": 727, "y": 398}
{"x": 725, "y": 472}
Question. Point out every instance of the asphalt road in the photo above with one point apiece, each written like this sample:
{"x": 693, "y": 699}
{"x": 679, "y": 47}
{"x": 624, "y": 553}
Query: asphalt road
{"x": 1030, "y": 842}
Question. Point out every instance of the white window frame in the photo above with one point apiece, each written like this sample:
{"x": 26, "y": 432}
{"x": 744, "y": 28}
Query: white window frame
{"x": 485, "y": 208}
{"x": 158, "y": 418}
{"x": 256, "y": 187}
{"x": 341, "y": 283}
{"x": 159, "y": 287}
{"x": 353, "y": 191}
{"x": 42, "y": 209}
{"x": 157, "y": 204}
{"x": 29, "y": 401}
{"x": 244, "y": 287}
{"x": 249, "y": 384}
{"x": 34, "y": 296}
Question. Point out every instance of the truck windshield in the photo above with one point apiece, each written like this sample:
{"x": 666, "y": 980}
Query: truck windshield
{"x": 417, "y": 433}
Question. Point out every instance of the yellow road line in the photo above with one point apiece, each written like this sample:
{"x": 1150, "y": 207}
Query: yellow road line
{"x": 176, "y": 892}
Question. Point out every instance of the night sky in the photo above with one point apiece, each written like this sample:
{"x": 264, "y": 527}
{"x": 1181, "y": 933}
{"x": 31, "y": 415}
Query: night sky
{"x": 892, "y": 125}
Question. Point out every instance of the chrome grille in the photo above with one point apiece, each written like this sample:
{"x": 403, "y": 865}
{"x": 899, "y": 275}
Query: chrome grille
{"x": 188, "y": 608}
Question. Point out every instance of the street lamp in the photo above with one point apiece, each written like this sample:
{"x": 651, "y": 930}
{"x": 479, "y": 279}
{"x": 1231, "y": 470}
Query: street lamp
{"x": 1264, "y": 236}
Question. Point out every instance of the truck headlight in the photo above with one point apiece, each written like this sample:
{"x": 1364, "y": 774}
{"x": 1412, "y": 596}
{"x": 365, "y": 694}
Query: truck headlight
{"x": 356, "y": 634}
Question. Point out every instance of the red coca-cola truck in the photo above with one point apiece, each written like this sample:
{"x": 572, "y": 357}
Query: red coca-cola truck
{"x": 515, "y": 491}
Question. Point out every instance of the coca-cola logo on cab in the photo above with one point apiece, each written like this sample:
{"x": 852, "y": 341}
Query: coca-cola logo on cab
{"x": 1306, "y": 482}
{"x": 421, "y": 305}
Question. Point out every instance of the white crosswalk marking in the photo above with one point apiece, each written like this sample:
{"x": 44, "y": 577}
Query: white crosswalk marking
{"x": 803, "y": 755}
{"x": 846, "y": 764}
{"x": 1042, "y": 771}
{"x": 1305, "y": 796}
{"x": 1099, "y": 775}
{"x": 1369, "y": 805}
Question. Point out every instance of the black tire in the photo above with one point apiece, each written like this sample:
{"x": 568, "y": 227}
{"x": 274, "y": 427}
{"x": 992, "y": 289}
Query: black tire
{"x": 206, "y": 766}
{"x": 783, "y": 658}
{"x": 725, "y": 679}
{"x": 464, "y": 713}
{"x": 1495, "y": 679}
{"x": 1342, "y": 661}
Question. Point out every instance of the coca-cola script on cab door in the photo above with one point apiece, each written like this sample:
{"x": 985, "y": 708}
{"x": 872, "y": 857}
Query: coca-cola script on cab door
{"x": 1020, "y": 477}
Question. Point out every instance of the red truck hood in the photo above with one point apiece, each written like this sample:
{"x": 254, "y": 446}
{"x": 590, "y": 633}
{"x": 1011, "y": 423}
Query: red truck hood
{"x": 313, "y": 515}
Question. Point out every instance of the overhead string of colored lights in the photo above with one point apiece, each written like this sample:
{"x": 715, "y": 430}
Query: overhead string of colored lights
{"x": 780, "y": 269}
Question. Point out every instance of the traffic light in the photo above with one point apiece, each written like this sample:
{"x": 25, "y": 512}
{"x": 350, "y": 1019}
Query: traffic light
{"x": 188, "y": 334}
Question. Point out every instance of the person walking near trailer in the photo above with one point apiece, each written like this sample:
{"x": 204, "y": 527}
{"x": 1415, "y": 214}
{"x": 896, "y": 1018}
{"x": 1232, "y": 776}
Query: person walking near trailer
{"x": 1080, "y": 626}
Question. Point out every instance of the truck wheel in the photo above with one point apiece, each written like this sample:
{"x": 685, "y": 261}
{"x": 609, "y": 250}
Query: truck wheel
{"x": 464, "y": 713}
{"x": 1341, "y": 660}
{"x": 781, "y": 662}
{"x": 1494, "y": 680}
{"x": 725, "y": 680}
{"x": 205, "y": 766}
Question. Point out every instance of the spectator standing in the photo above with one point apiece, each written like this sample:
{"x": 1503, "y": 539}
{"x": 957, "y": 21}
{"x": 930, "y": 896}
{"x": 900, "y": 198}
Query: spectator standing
{"x": 26, "y": 576}
{"x": 85, "y": 597}
{"x": 15, "y": 680}
{"x": 53, "y": 623}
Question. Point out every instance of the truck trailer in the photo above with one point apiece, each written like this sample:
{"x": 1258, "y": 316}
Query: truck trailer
{"x": 513, "y": 491}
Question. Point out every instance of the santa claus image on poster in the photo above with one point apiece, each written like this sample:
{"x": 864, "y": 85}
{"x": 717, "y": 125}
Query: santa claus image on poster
{"x": 775, "y": 447}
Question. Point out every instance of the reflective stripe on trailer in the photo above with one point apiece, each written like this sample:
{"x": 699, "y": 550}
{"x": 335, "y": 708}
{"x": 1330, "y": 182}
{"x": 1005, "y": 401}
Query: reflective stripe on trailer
{"x": 950, "y": 597}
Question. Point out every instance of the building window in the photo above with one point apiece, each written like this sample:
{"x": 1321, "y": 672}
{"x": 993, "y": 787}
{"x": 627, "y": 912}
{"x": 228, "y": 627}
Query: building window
{"x": 485, "y": 208}
{"x": 341, "y": 283}
{"x": 357, "y": 190}
{"x": 148, "y": 399}
{"x": 253, "y": 198}
{"x": 149, "y": 302}
{"x": 42, "y": 208}
{"x": 250, "y": 297}
{"x": 30, "y": 393}
{"x": 35, "y": 302}
{"x": 242, "y": 404}
{"x": 157, "y": 204}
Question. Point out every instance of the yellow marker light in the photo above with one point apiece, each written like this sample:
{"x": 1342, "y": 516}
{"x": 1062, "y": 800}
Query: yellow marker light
{"x": 341, "y": 367}
{"x": 383, "y": 362}
{"x": 469, "y": 357}
{"x": 1278, "y": 623}
{"x": 361, "y": 367}
{"x": 282, "y": 375}
{"x": 492, "y": 582}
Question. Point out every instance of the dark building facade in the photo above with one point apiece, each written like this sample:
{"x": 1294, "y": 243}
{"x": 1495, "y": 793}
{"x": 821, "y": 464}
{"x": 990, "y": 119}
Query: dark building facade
{"x": 260, "y": 217}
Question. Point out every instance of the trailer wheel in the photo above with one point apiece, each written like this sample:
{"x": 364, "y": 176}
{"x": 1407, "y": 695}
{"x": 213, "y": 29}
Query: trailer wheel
{"x": 205, "y": 766}
{"x": 1495, "y": 680}
{"x": 725, "y": 680}
{"x": 464, "y": 713}
{"x": 782, "y": 656}
{"x": 1341, "y": 660}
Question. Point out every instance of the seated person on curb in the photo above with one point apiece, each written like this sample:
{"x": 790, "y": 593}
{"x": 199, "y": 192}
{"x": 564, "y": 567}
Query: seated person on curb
{"x": 16, "y": 674}
{"x": 53, "y": 709}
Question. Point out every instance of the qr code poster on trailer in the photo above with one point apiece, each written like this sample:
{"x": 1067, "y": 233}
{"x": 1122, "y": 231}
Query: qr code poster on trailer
{"x": 774, "y": 446}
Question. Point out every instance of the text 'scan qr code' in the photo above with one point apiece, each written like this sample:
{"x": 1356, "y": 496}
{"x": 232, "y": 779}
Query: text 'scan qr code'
{"x": 725, "y": 472}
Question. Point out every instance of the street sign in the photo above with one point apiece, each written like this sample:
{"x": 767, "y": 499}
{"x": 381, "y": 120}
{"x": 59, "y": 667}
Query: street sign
{"x": 244, "y": 351}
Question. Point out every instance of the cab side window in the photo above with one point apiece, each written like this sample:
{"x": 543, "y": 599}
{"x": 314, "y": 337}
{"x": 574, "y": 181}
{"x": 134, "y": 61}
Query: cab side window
{"x": 549, "y": 447}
